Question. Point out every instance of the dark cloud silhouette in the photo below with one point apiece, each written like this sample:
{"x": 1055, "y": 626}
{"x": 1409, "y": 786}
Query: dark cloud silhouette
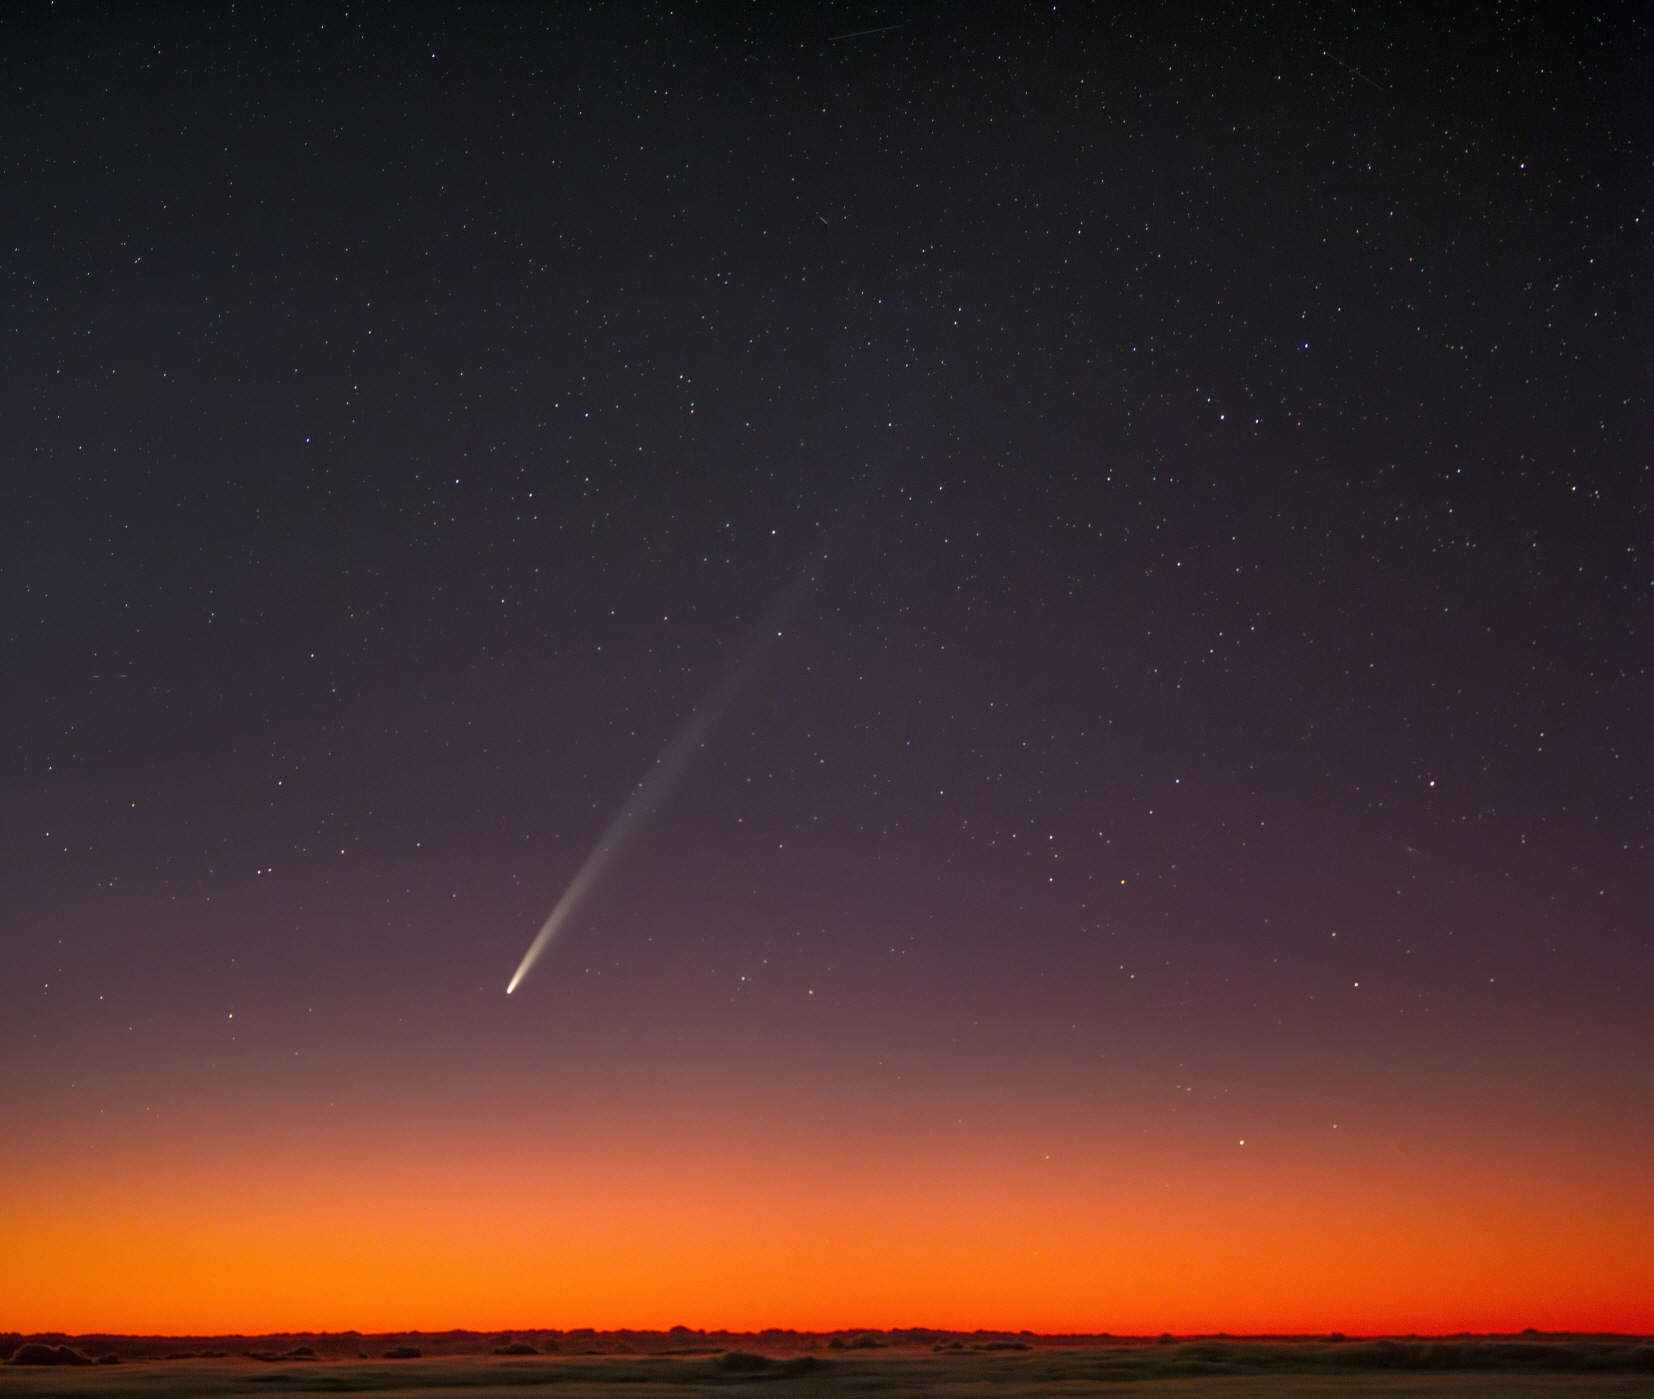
{"x": 36, "y": 1353}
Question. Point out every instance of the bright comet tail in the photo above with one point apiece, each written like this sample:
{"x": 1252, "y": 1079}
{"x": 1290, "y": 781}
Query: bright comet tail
{"x": 657, "y": 782}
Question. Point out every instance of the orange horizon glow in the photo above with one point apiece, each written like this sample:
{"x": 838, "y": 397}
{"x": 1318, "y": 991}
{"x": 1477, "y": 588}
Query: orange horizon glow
{"x": 629, "y": 1224}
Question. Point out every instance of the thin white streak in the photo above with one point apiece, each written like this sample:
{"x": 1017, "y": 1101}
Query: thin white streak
{"x": 649, "y": 793}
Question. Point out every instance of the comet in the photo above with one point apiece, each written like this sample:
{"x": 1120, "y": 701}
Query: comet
{"x": 659, "y": 780}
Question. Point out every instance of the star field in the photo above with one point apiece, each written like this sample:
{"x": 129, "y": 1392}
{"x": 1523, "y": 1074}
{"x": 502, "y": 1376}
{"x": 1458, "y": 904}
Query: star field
{"x": 1218, "y": 439}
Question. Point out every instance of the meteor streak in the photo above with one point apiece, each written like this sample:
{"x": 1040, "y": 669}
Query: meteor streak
{"x": 652, "y": 790}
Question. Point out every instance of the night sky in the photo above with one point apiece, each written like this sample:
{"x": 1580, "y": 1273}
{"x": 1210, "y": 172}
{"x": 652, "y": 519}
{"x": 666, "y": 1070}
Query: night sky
{"x": 1185, "y": 860}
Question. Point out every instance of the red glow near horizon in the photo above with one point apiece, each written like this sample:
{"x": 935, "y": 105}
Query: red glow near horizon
{"x": 619, "y": 1224}
{"x": 1179, "y": 856}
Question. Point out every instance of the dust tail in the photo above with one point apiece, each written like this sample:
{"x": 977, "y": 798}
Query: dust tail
{"x": 674, "y": 758}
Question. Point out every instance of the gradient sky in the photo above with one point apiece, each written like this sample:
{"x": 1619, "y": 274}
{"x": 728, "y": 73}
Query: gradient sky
{"x": 1184, "y": 865}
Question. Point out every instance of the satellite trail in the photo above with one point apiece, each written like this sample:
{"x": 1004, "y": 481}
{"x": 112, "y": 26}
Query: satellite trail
{"x": 1352, "y": 68}
{"x": 863, "y": 33}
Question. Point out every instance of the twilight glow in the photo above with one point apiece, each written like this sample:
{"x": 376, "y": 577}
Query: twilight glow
{"x": 1184, "y": 867}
